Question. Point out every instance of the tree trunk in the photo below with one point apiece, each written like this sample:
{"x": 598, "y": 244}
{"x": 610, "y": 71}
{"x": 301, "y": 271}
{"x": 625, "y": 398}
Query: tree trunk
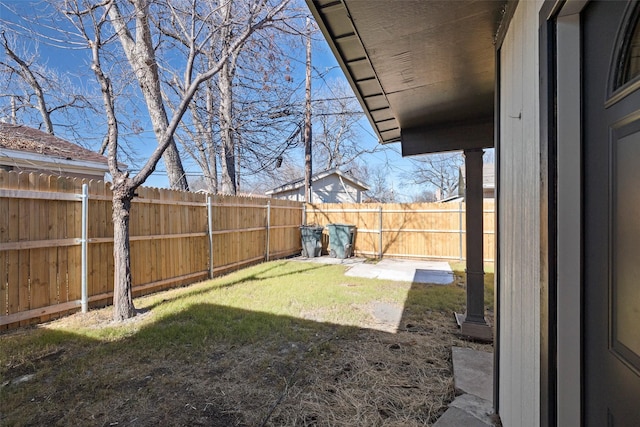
{"x": 308, "y": 165}
{"x": 150, "y": 85}
{"x": 238, "y": 160}
{"x": 212, "y": 178}
{"x": 228, "y": 155}
{"x": 141, "y": 55}
{"x": 122, "y": 294}
{"x": 211, "y": 144}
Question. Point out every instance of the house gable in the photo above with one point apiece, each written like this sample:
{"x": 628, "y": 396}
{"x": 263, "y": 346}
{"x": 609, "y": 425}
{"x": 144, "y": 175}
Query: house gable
{"x": 330, "y": 186}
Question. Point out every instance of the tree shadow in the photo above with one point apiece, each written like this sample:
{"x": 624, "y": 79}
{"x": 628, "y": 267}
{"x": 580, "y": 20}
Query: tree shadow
{"x": 217, "y": 365}
{"x": 254, "y": 277}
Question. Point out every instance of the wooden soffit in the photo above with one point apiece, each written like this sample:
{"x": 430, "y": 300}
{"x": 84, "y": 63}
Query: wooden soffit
{"x": 424, "y": 71}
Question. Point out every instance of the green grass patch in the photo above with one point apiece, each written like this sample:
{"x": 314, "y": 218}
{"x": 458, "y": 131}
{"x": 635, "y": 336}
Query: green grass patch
{"x": 245, "y": 328}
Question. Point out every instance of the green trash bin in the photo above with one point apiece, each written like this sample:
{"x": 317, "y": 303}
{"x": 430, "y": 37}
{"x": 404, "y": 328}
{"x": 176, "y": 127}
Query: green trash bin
{"x": 311, "y": 240}
{"x": 341, "y": 240}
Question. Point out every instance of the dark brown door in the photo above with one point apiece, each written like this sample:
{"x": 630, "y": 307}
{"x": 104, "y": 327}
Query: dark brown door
{"x": 611, "y": 209}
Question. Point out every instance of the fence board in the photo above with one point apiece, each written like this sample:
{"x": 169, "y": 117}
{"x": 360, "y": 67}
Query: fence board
{"x": 40, "y": 227}
{"x": 4, "y": 237}
{"x": 74, "y": 229}
{"x": 419, "y": 230}
{"x": 13, "y": 257}
{"x": 25, "y": 207}
{"x": 56, "y": 228}
{"x": 4, "y": 296}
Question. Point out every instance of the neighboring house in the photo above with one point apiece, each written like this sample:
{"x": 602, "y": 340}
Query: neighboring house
{"x": 330, "y": 186}
{"x": 24, "y": 149}
{"x": 488, "y": 185}
{"x": 488, "y": 181}
{"x": 555, "y": 87}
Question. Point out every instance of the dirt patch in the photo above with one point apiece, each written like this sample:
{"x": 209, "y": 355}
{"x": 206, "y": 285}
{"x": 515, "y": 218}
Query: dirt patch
{"x": 376, "y": 379}
{"x": 387, "y": 362}
{"x": 340, "y": 377}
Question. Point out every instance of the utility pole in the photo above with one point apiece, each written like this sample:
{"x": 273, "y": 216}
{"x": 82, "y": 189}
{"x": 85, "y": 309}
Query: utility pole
{"x": 307, "y": 121}
{"x": 238, "y": 158}
{"x": 14, "y": 111}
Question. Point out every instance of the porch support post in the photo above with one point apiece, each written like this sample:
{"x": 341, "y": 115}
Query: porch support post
{"x": 474, "y": 324}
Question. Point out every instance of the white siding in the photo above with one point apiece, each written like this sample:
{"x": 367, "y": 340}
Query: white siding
{"x": 331, "y": 190}
{"x": 519, "y": 391}
{"x": 326, "y": 190}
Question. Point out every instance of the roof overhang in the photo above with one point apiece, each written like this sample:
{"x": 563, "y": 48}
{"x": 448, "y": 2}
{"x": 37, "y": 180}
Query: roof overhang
{"x": 26, "y": 160}
{"x": 299, "y": 183}
{"x": 423, "y": 71}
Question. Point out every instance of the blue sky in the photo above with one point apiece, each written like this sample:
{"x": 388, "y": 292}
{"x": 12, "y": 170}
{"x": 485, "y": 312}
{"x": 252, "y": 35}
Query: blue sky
{"x": 75, "y": 64}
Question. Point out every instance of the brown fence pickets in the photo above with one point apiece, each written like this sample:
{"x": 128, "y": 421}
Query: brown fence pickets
{"x": 40, "y": 241}
{"x": 40, "y": 238}
{"x": 410, "y": 230}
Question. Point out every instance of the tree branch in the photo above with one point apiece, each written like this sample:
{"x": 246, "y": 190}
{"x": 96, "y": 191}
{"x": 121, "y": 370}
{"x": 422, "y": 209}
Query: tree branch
{"x": 31, "y": 80}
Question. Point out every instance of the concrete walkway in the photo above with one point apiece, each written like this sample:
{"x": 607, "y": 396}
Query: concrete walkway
{"x": 473, "y": 379}
{"x": 434, "y": 272}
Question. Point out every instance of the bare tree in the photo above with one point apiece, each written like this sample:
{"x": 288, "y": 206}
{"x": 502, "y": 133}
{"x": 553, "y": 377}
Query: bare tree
{"x": 140, "y": 52}
{"x": 438, "y": 173}
{"x": 377, "y": 179}
{"x": 93, "y": 21}
{"x": 198, "y": 135}
{"x": 25, "y": 79}
{"x": 337, "y": 141}
{"x": 230, "y": 121}
{"x": 24, "y": 71}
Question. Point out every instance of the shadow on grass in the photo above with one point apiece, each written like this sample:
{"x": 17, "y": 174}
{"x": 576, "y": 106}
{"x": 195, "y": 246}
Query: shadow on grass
{"x": 206, "y": 365}
{"x": 221, "y": 366}
{"x": 258, "y": 276}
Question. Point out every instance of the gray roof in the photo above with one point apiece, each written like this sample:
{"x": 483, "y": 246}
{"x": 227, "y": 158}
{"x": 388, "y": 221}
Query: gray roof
{"x": 298, "y": 183}
{"x": 29, "y": 140}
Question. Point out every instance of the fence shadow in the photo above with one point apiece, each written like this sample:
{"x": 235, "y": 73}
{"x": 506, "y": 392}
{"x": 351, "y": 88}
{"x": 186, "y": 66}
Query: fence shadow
{"x": 259, "y": 276}
{"x": 218, "y": 365}
{"x": 418, "y": 230}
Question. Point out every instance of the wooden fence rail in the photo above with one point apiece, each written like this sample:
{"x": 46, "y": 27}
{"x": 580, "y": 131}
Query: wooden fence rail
{"x": 408, "y": 230}
{"x": 176, "y": 238}
{"x": 179, "y": 238}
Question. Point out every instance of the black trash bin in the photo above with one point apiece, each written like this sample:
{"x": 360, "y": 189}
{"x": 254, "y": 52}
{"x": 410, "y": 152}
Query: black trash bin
{"x": 341, "y": 240}
{"x": 311, "y": 240}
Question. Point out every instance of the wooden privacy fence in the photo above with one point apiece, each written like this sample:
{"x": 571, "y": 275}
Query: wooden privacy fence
{"x": 176, "y": 238}
{"x": 409, "y": 230}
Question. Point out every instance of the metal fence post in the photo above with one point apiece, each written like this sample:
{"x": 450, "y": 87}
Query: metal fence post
{"x": 268, "y": 226}
{"x": 304, "y": 214}
{"x": 84, "y": 302}
{"x": 380, "y": 233}
{"x": 210, "y": 224}
{"x": 460, "y": 228}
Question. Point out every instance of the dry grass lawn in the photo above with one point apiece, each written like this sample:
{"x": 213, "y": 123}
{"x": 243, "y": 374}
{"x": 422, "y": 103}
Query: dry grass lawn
{"x": 278, "y": 344}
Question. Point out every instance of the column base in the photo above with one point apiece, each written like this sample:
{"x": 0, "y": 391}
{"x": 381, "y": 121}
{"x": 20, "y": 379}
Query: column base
{"x": 475, "y": 330}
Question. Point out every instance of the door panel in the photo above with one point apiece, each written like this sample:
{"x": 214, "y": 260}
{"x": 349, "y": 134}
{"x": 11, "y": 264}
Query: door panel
{"x": 611, "y": 210}
{"x": 625, "y": 245}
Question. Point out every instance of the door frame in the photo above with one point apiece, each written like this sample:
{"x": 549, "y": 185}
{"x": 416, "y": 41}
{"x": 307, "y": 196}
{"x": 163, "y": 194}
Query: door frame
{"x": 561, "y": 256}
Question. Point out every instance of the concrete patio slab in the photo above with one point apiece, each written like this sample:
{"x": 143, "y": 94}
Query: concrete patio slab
{"x": 329, "y": 260}
{"x": 435, "y": 272}
{"x": 480, "y": 408}
{"x": 473, "y": 376}
{"x": 473, "y": 372}
{"x": 455, "y": 417}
